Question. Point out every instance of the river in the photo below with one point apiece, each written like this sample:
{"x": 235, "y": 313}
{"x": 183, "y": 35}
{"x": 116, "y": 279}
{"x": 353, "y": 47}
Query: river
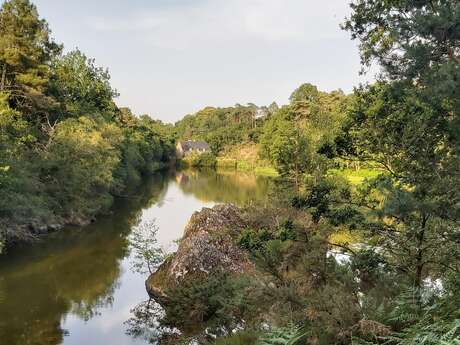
{"x": 77, "y": 286}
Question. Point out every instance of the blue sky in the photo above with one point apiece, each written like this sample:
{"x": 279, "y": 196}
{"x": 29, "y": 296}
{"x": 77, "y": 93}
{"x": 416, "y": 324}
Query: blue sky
{"x": 169, "y": 58}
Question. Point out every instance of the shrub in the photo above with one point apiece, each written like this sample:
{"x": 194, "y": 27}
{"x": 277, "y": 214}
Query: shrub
{"x": 253, "y": 240}
{"x": 197, "y": 160}
{"x": 218, "y": 303}
{"x": 240, "y": 338}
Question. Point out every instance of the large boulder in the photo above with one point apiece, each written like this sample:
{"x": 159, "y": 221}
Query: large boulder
{"x": 207, "y": 247}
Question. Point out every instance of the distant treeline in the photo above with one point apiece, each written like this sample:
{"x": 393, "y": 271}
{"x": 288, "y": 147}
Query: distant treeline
{"x": 302, "y": 129}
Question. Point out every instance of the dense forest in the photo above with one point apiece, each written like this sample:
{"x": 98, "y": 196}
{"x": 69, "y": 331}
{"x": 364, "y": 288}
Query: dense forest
{"x": 333, "y": 261}
{"x": 66, "y": 149}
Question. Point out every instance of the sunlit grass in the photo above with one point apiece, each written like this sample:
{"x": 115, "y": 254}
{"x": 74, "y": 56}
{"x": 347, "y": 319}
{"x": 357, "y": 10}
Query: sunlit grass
{"x": 357, "y": 177}
{"x": 344, "y": 237}
{"x": 242, "y": 165}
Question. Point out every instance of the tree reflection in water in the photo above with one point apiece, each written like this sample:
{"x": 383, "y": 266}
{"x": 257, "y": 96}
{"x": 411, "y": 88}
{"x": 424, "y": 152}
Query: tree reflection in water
{"x": 145, "y": 324}
{"x": 71, "y": 273}
{"x": 77, "y": 282}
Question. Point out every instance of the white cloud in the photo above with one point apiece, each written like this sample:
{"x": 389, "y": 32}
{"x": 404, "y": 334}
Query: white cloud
{"x": 172, "y": 57}
{"x": 214, "y": 22}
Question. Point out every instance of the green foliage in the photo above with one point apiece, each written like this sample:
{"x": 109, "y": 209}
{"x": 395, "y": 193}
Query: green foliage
{"x": 196, "y": 160}
{"x": 78, "y": 164}
{"x": 440, "y": 332}
{"x": 81, "y": 87}
{"x": 221, "y": 127}
{"x": 287, "y": 231}
{"x": 239, "y": 338}
{"x": 330, "y": 198}
{"x": 435, "y": 320}
{"x": 147, "y": 146}
{"x": 148, "y": 255}
{"x": 415, "y": 40}
{"x": 294, "y": 137}
{"x": 418, "y": 193}
{"x": 218, "y": 302}
{"x": 65, "y": 148}
{"x": 290, "y": 335}
{"x": 407, "y": 124}
{"x": 26, "y": 52}
{"x": 287, "y": 148}
{"x": 253, "y": 240}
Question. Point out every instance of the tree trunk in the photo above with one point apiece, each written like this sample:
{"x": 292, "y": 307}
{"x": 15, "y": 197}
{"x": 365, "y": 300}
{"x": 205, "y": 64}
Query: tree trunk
{"x": 2, "y": 81}
{"x": 296, "y": 177}
{"x": 419, "y": 264}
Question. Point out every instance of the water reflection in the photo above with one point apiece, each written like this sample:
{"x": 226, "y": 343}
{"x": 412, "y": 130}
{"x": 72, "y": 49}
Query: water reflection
{"x": 76, "y": 287}
{"x": 144, "y": 323}
{"x": 225, "y": 186}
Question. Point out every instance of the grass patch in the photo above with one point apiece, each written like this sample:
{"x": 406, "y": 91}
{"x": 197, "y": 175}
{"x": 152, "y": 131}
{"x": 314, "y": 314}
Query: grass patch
{"x": 345, "y": 237}
{"x": 357, "y": 177}
{"x": 266, "y": 171}
{"x": 242, "y": 165}
{"x": 245, "y": 157}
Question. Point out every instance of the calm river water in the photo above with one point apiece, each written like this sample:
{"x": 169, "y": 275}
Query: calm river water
{"x": 76, "y": 287}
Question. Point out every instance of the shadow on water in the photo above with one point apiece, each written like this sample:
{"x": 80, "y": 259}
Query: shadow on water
{"x": 75, "y": 286}
{"x": 74, "y": 271}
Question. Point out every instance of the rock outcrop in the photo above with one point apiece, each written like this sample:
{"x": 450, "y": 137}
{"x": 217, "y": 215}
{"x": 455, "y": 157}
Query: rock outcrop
{"x": 207, "y": 247}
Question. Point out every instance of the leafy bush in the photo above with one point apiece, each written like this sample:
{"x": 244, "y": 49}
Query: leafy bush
{"x": 289, "y": 335}
{"x": 286, "y": 231}
{"x": 218, "y": 302}
{"x": 253, "y": 240}
{"x": 256, "y": 239}
{"x": 198, "y": 160}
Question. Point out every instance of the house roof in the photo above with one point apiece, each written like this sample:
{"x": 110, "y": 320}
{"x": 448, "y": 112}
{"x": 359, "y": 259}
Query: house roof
{"x": 194, "y": 145}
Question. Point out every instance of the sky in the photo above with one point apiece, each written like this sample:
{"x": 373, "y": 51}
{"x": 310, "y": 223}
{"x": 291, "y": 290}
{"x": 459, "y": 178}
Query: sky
{"x": 169, "y": 58}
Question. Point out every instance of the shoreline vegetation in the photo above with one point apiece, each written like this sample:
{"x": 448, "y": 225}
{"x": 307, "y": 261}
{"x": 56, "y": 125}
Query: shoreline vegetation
{"x": 378, "y": 165}
{"x": 66, "y": 148}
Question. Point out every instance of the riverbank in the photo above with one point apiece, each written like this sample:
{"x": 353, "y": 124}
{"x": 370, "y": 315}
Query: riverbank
{"x": 64, "y": 287}
{"x": 33, "y": 229}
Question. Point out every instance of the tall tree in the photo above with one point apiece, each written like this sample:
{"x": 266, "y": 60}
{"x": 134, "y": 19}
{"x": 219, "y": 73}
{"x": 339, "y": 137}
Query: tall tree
{"x": 410, "y": 123}
{"x": 287, "y": 147}
{"x": 409, "y": 38}
{"x": 26, "y": 52}
{"x": 417, "y": 41}
{"x": 81, "y": 87}
{"x": 417, "y": 213}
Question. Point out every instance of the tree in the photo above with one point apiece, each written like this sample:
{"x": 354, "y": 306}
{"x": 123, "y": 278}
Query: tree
{"x": 411, "y": 125}
{"x": 81, "y": 87}
{"x": 287, "y": 148}
{"x": 305, "y": 93}
{"x": 220, "y": 127}
{"x": 295, "y": 135}
{"x": 418, "y": 217}
{"x": 26, "y": 53}
{"x": 78, "y": 166}
{"x": 147, "y": 253}
{"x": 412, "y": 39}
{"x": 65, "y": 148}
